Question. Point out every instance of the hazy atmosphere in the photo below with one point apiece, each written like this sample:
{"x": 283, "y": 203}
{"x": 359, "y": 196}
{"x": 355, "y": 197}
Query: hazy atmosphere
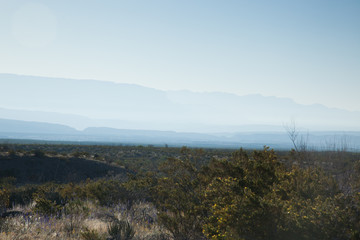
{"x": 179, "y": 119}
{"x": 205, "y": 67}
{"x": 304, "y": 50}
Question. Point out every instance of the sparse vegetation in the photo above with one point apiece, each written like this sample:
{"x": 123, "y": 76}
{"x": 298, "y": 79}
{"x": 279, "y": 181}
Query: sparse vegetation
{"x": 180, "y": 194}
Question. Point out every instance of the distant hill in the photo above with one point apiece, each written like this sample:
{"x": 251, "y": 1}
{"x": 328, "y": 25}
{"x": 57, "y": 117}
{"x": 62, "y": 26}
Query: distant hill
{"x": 89, "y": 103}
{"x": 16, "y": 129}
{"x": 16, "y": 126}
{"x": 31, "y": 169}
{"x": 22, "y": 130}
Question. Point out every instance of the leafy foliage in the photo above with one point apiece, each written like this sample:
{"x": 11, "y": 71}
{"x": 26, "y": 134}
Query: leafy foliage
{"x": 236, "y": 196}
{"x": 208, "y": 194}
{"x": 177, "y": 195}
{"x": 48, "y": 200}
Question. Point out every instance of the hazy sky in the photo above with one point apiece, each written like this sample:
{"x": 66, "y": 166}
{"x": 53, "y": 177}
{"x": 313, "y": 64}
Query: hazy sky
{"x": 308, "y": 50}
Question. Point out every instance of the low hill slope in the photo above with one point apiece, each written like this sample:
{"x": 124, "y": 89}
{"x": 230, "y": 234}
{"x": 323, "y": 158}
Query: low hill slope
{"x": 31, "y": 169}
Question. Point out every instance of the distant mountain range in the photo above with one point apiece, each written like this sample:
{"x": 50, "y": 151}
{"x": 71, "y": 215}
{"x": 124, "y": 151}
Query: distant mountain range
{"x": 42, "y": 108}
{"x": 16, "y": 129}
{"x": 48, "y": 132}
{"x": 88, "y": 103}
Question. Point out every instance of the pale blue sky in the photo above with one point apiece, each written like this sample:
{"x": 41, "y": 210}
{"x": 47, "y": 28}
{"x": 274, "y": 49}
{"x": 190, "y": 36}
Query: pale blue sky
{"x": 307, "y": 50}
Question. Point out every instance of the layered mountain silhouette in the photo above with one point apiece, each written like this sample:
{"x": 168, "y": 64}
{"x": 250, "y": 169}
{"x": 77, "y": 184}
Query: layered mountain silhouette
{"x": 17, "y": 130}
{"x": 89, "y": 103}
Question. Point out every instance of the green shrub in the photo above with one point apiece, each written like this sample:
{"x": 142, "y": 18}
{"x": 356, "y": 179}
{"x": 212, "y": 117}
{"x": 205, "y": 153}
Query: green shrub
{"x": 177, "y": 196}
{"x": 107, "y": 192}
{"x": 23, "y": 195}
{"x": 121, "y": 230}
{"x": 48, "y": 200}
{"x": 46, "y": 207}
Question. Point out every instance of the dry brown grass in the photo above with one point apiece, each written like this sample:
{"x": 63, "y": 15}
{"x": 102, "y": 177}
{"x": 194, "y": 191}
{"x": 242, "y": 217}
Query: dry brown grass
{"x": 142, "y": 217}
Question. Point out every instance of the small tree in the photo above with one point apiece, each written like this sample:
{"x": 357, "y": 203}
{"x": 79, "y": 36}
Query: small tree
{"x": 299, "y": 141}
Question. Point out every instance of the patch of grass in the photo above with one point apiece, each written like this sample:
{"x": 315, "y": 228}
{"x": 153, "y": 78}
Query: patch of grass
{"x": 121, "y": 230}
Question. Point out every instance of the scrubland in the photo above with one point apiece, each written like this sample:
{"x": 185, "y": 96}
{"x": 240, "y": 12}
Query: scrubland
{"x": 128, "y": 192}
